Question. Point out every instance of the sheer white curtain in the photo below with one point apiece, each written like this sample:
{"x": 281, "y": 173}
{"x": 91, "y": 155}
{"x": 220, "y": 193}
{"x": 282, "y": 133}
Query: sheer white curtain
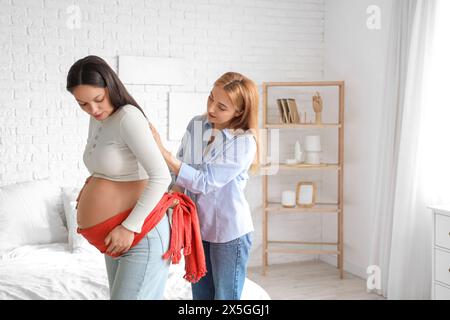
{"x": 413, "y": 157}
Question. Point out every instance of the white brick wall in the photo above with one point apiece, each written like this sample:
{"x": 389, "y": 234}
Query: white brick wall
{"x": 43, "y": 131}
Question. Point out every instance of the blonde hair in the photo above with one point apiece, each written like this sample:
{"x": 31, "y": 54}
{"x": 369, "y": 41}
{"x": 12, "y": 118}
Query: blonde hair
{"x": 243, "y": 92}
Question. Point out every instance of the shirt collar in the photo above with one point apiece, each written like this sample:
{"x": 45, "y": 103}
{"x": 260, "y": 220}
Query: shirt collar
{"x": 227, "y": 132}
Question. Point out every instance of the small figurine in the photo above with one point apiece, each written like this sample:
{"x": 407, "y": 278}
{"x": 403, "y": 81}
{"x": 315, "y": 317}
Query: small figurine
{"x": 318, "y": 106}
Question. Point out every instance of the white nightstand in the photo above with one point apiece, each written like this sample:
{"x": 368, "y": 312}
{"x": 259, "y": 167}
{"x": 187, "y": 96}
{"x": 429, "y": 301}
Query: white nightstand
{"x": 440, "y": 289}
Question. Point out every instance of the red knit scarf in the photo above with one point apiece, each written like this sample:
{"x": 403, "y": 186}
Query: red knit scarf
{"x": 185, "y": 233}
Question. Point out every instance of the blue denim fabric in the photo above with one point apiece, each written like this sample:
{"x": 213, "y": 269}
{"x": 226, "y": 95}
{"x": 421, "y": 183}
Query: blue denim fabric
{"x": 227, "y": 268}
{"x": 141, "y": 273}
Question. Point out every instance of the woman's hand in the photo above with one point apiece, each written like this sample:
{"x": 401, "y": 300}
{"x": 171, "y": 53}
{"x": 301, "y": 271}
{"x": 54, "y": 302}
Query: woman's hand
{"x": 175, "y": 202}
{"x": 157, "y": 138}
{"x": 119, "y": 240}
{"x": 172, "y": 162}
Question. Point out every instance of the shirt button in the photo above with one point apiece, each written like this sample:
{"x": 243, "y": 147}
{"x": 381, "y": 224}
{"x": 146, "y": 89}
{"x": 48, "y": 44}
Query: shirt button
{"x": 96, "y": 137}
{"x": 100, "y": 129}
{"x": 94, "y": 145}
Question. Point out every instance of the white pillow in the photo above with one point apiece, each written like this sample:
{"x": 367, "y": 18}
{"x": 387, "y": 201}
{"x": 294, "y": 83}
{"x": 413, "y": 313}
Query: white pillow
{"x": 77, "y": 243}
{"x": 31, "y": 213}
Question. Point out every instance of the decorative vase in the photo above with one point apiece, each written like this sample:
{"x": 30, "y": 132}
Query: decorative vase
{"x": 312, "y": 144}
{"x": 313, "y": 157}
{"x": 298, "y": 152}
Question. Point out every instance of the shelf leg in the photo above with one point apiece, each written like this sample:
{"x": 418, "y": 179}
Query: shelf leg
{"x": 265, "y": 258}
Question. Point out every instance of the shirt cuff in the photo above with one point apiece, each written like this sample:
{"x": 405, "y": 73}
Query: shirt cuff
{"x": 185, "y": 176}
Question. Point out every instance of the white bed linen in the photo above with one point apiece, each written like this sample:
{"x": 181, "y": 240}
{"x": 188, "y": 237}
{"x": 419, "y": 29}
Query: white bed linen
{"x": 51, "y": 271}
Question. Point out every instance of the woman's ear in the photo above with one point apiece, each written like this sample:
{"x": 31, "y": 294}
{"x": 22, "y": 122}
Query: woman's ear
{"x": 238, "y": 113}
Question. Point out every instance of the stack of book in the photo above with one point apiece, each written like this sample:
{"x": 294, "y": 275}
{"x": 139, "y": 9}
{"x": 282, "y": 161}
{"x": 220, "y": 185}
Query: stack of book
{"x": 288, "y": 111}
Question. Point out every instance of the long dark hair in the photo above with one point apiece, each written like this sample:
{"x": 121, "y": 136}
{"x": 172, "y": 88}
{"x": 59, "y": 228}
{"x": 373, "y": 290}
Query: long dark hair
{"x": 94, "y": 71}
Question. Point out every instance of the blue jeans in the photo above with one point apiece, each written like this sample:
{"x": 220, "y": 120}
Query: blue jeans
{"x": 141, "y": 272}
{"x": 227, "y": 268}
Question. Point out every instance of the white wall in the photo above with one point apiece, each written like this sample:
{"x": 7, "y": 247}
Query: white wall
{"x": 357, "y": 55}
{"x": 43, "y": 131}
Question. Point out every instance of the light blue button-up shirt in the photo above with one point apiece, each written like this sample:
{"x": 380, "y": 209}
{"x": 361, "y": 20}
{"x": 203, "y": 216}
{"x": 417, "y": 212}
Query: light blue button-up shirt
{"x": 214, "y": 177}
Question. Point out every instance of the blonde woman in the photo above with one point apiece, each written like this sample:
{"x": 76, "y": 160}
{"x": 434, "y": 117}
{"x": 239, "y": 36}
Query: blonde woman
{"x": 212, "y": 166}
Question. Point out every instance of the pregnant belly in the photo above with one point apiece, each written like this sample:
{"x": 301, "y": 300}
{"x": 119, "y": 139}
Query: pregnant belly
{"x": 102, "y": 199}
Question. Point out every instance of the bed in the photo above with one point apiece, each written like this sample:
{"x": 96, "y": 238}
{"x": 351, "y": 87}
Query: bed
{"x": 42, "y": 257}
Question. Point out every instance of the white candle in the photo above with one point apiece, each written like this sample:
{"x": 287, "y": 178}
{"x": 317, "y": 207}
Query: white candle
{"x": 288, "y": 199}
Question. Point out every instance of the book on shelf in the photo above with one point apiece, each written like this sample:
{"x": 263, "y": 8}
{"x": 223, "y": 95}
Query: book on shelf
{"x": 281, "y": 111}
{"x": 293, "y": 110}
{"x": 282, "y": 107}
{"x": 288, "y": 111}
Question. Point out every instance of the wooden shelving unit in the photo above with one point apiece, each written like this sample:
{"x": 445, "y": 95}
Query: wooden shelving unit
{"x": 329, "y": 208}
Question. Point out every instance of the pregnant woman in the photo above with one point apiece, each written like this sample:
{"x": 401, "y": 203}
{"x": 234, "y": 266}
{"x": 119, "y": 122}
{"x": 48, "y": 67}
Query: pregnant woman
{"x": 214, "y": 173}
{"x": 127, "y": 171}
